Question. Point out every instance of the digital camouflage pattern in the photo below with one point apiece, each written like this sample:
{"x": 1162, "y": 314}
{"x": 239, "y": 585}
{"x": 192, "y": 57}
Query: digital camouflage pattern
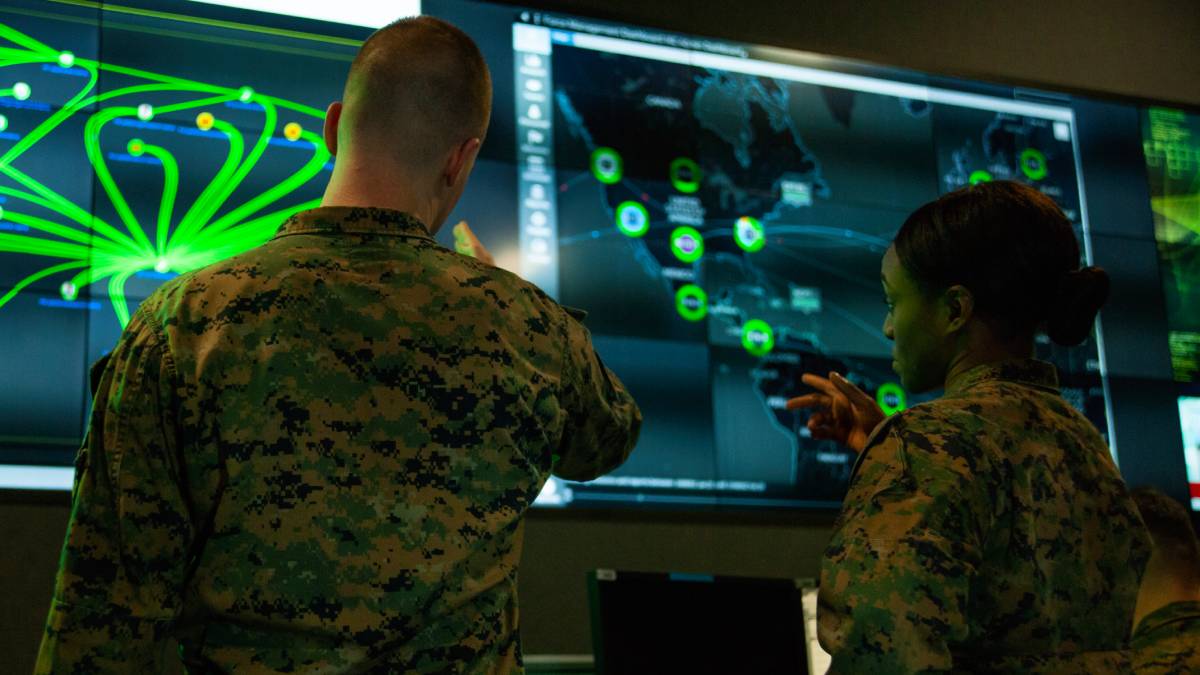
{"x": 982, "y": 530}
{"x": 315, "y": 458}
{"x": 1167, "y": 641}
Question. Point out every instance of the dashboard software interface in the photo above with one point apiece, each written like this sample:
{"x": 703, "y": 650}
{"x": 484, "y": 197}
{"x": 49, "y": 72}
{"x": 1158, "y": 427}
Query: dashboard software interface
{"x": 720, "y": 211}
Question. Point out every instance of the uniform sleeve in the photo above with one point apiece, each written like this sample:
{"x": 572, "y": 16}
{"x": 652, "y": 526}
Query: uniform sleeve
{"x": 602, "y": 420}
{"x": 127, "y": 546}
{"x": 896, "y": 575}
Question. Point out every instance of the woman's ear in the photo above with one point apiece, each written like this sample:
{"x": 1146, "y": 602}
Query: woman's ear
{"x": 959, "y": 307}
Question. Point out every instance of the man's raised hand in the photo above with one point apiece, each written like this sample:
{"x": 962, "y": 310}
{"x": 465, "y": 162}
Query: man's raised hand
{"x": 466, "y": 243}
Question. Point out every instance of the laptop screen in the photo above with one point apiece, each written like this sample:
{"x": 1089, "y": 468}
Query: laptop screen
{"x": 661, "y": 623}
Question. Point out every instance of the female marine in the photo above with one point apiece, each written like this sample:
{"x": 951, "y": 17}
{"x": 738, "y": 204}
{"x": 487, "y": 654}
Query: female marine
{"x": 987, "y": 530}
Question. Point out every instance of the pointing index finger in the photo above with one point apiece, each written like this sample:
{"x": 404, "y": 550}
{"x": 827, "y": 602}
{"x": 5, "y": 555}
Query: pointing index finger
{"x": 819, "y": 383}
{"x": 850, "y": 391}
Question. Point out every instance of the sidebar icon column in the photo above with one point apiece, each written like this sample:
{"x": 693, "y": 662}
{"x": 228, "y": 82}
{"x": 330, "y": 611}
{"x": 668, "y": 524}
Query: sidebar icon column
{"x": 535, "y": 156}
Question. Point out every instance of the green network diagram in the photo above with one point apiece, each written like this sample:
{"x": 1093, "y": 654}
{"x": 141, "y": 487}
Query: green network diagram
{"x": 84, "y": 249}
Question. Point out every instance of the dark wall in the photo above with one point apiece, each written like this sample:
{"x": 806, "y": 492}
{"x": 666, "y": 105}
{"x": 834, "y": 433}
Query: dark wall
{"x": 1146, "y": 49}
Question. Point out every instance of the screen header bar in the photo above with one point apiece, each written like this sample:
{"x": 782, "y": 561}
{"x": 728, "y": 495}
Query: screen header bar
{"x": 813, "y": 76}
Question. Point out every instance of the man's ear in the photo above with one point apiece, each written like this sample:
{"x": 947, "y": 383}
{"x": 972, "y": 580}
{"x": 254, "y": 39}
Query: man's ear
{"x": 959, "y": 306}
{"x": 333, "y": 115}
{"x": 460, "y": 160}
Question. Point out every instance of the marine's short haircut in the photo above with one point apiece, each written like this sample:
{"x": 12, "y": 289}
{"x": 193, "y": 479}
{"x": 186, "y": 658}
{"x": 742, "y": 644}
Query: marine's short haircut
{"x": 418, "y": 87}
{"x": 1171, "y": 529}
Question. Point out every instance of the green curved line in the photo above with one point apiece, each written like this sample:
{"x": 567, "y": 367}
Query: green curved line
{"x": 32, "y": 278}
{"x": 95, "y": 273}
{"x": 310, "y": 169}
{"x": 21, "y": 61}
{"x": 170, "y": 191}
{"x": 70, "y": 233}
{"x": 71, "y": 108}
{"x": 116, "y": 295}
{"x": 205, "y": 205}
{"x": 24, "y": 40}
{"x": 169, "y": 79}
{"x": 51, "y": 123}
{"x": 91, "y": 223}
{"x": 200, "y": 102}
{"x": 91, "y": 135}
{"x": 292, "y": 105}
{"x": 239, "y": 238}
{"x": 68, "y": 208}
{"x": 271, "y": 117}
{"x": 13, "y": 243}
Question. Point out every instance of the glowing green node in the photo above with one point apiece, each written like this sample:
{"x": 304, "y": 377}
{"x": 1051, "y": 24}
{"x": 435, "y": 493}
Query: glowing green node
{"x": 757, "y": 337}
{"x": 1033, "y": 164}
{"x": 633, "y": 220}
{"x": 245, "y": 94}
{"x": 1, "y": 213}
{"x": 607, "y": 165}
{"x": 979, "y": 176}
{"x": 136, "y": 147}
{"x": 68, "y": 291}
{"x": 685, "y": 175}
{"x": 687, "y": 244}
{"x": 3, "y": 123}
{"x": 66, "y": 59}
{"x": 22, "y": 91}
{"x": 691, "y": 302}
{"x": 749, "y": 235}
{"x": 162, "y": 266}
{"x": 292, "y": 131}
{"x": 891, "y": 398}
{"x": 145, "y": 112}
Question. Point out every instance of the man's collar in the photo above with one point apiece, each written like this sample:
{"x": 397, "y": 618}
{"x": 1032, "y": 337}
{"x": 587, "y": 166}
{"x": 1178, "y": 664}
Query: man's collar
{"x": 1164, "y": 616}
{"x": 354, "y": 220}
{"x": 1029, "y": 372}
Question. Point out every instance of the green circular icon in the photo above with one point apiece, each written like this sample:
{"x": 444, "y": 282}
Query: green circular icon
{"x": 136, "y": 147}
{"x": 979, "y": 176}
{"x": 749, "y": 235}
{"x": 891, "y": 398}
{"x": 692, "y": 302}
{"x": 66, "y": 59}
{"x": 607, "y": 166}
{"x": 685, "y": 175}
{"x": 1033, "y": 164}
{"x": 245, "y": 94}
{"x": 633, "y": 220}
{"x": 3, "y": 123}
{"x": 757, "y": 337}
{"x": 687, "y": 244}
{"x": 68, "y": 291}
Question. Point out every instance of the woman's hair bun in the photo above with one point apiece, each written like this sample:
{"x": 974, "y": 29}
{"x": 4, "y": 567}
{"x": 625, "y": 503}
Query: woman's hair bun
{"x": 1077, "y": 299}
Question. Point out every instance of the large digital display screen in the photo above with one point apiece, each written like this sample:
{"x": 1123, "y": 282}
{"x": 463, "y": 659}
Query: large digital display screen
{"x": 1172, "y": 147}
{"x": 1171, "y": 142}
{"x": 1189, "y": 416}
{"x": 719, "y": 210}
{"x": 741, "y": 207}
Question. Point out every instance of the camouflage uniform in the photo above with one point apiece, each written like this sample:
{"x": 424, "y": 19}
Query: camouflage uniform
{"x": 980, "y": 530}
{"x": 1167, "y": 641}
{"x": 316, "y": 456}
